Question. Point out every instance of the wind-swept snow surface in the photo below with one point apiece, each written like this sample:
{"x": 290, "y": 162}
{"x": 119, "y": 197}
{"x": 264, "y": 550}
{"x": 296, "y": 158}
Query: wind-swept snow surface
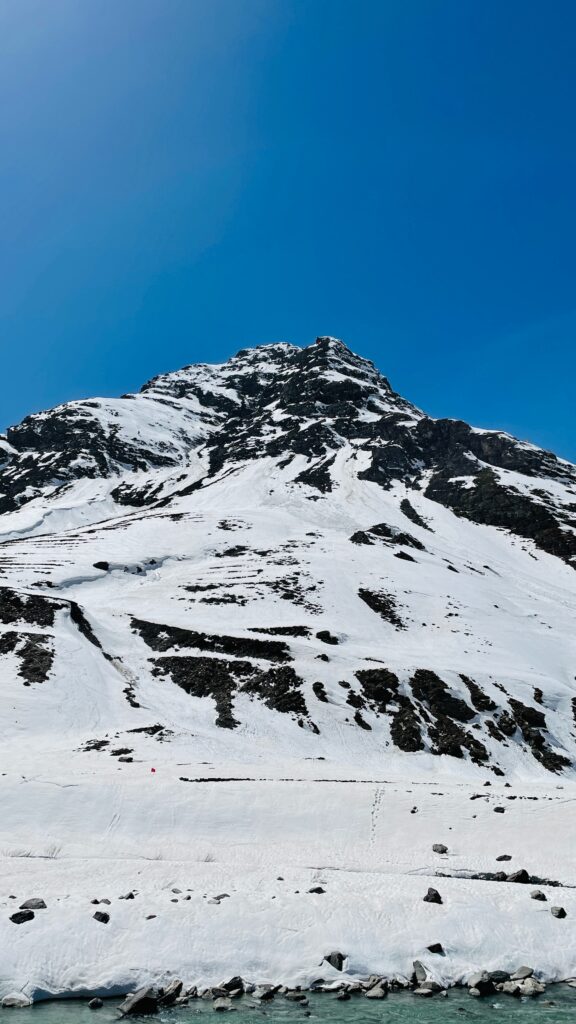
{"x": 266, "y": 627}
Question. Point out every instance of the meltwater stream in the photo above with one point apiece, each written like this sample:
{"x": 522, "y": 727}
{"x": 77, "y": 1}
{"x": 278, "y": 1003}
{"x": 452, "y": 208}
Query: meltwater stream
{"x": 557, "y": 1006}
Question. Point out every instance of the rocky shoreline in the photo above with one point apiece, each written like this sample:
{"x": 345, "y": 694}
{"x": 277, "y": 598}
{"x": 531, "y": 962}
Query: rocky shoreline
{"x": 150, "y": 999}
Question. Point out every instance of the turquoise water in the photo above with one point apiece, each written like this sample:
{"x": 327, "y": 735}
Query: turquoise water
{"x": 402, "y": 1008}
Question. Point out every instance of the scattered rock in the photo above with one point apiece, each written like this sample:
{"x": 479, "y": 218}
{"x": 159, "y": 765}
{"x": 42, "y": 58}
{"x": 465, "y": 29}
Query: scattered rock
{"x": 101, "y": 916}
{"x": 234, "y": 984}
{"x": 317, "y": 889}
{"x": 420, "y": 974}
{"x": 222, "y": 1004}
{"x": 440, "y": 848}
{"x": 520, "y": 876}
{"x": 521, "y": 973}
{"x": 504, "y": 856}
{"x": 33, "y": 904}
{"x": 265, "y": 993}
{"x": 538, "y": 895}
{"x": 557, "y": 911}
{"x": 532, "y": 987}
{"x": 499, "y": 977}
{"x": 336, "y": 960}
{"x": 499, "y": 810}
{"x": 432, "y": 896}
{"x": 379, "y": 991}
{"x": 21, "y": 916}
{"x": 437, "y": 947}
{"x": 170, "y": 994}
{"x": 96, "y": 1003}
{"x": 142, "y": 1001}
{"x": 481, "y": 984}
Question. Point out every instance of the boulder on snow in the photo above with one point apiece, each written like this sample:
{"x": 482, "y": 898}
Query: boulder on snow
{"x": 504, "y": 856}
{"x": 336, "y": 960}
{"x": 33, "y": 904}
{"x": 234, "y": 984}
{"x": 521, "y": 973}
{"x": 317, "y": 889}
{"x": 101, "y": 916}
{"x": 144, "y": 1000}
{"x": 520, "y": 876}
{"x": 440, "y": 848}
{"x": 436, "y": 947}
{"x": 432, "y": 896}
{"x": 557, "y": 911}
{"x": 21, "y": 916}
{"x": 536, "y": 894}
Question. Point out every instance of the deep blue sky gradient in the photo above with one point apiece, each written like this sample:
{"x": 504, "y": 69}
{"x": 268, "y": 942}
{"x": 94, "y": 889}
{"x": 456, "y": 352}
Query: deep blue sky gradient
{"x": 182, "y": 178}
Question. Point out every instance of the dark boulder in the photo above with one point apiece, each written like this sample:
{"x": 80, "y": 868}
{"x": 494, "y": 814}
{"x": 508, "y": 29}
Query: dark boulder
{"x": 21, "y": 916}
{"x": 432, "y": 896}
{"x": 143, "y": 1001}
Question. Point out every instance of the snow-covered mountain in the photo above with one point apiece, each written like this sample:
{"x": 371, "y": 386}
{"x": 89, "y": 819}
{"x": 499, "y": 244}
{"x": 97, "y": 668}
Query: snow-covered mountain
{"x": 284, "y": 547}
{"x": 274, "y": 571}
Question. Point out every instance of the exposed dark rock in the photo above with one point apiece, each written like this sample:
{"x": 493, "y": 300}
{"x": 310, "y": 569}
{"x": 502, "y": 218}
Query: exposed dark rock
{"x": 21, "y": 916}
{"x": 102, "y": 916}
{"x": 481, "y": 984}
{"x": 440, "y": 848}
{"x": 336, "y": 960}
{"x": 558, "y": 912}
{"x": 383, "y": 604}
{"x": 436, "y": 947}
{"x": 278, "y": 687}
{"x": 169, "y": 995}
{"x": 432, "y": 896}
{"x": 433, "y": 692}
{"x": 296, "y": 631}
{"x": 327, "y": 637}
{"x": 144, "y": 1001}
{"x": 480, "y": 700}
{"x": 405, "y": 727}
{"x": 414, "y": 517}
{"x": 36, "y": 903}
{"x": 96, "y": 1003}
{"x": 164, "y": 638}
{"x": 491, "y": 503}
{"x": 520, "y": 876}
{"x": 34, "y": 609}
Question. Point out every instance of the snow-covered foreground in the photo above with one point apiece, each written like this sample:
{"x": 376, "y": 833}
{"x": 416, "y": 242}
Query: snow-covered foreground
{"x": 265, "y": 843}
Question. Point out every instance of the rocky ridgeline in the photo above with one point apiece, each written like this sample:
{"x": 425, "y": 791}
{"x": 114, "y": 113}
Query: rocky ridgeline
{"x": 281, "y": 401}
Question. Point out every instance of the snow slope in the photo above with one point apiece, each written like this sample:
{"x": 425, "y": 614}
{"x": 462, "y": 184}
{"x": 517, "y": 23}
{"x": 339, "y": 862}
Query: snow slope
{"x": 249, "y": 619}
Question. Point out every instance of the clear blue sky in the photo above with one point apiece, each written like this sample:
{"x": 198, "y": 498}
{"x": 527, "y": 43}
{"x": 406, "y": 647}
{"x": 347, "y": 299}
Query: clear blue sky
{"x": 182, "y": 178}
